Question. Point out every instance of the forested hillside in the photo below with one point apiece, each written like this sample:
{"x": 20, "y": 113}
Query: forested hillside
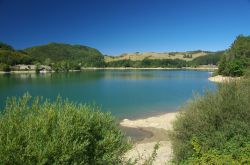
{"x": 58, "y": 52}
{"x": 61, "y": 57}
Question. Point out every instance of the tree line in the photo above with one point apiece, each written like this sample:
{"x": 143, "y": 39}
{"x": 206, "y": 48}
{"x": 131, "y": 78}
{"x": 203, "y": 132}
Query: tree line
{"x": 210, "y": 59}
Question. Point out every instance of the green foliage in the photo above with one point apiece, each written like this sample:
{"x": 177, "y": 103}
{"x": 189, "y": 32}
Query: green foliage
{"x": 240, "y": 47}
{"x": 236, "y": 155}
{"x": 214, "y": 129}
{"x": 36, "y": 131}
{"x": 64, "y": 66}
{"x": 121, "y": 63}
{"x": 93, "y": 61}
{"x": 37, "y": 70}
{"x": 237, "y": 58}
{"x": 247, "y": 73}
{"x": 234, "y": 67}
{"x": 149, "y": 63}
{"x": 48, "y": 62}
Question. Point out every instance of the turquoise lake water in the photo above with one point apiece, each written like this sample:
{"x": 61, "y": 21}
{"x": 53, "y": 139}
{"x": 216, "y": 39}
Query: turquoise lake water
{"x": 125, "y": 93}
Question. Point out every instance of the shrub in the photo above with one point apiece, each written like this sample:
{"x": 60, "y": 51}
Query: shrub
{"x": 215, "y": 129}
{"x": 37, "y": 131}
{"x": 235, "y": 67}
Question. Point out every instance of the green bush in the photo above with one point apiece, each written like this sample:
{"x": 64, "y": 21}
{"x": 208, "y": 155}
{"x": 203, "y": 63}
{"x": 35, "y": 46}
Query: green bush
{"x": 235, "y": 67}
{"x": 37, "y": 131}
{"x": 215, "y": 128}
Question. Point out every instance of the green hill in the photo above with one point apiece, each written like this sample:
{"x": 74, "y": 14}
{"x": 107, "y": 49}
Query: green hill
{"x": 56, "y": 52}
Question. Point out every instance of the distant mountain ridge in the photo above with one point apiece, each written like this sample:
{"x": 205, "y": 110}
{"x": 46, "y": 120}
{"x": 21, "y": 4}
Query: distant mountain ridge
{"x": 65, "y": 57}
{"x": 137, "y": 56}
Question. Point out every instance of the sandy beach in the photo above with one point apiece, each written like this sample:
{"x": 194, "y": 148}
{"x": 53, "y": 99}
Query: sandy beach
{"x": 158, "y": 126}
{"x": 221, "y": 79}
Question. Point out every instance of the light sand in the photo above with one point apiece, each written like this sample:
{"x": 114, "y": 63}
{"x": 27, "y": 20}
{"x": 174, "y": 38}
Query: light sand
{"x": 162, "y": 121}
{"x": 221, "y": 79}
{"x": 143, "y": 149}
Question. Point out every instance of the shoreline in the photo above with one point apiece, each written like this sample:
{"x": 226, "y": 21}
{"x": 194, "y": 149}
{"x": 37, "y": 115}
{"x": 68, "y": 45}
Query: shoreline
{"x": 222, "y": 79}
{"x": 118, "y": 68}
{"x": 158, "y": 126}
{"x": 156, "y": 121}
{"x": 18, "y": 72}
{"x": 157, "y": 68}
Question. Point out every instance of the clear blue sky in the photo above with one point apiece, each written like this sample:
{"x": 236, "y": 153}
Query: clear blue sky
{"x": 118, "y": 26}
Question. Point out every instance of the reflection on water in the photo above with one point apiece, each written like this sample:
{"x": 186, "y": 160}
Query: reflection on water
{"x": 125, "y": 93}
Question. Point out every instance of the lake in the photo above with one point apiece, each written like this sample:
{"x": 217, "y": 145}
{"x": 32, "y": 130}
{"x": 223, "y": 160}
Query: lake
{"x": 124, "y": 93}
